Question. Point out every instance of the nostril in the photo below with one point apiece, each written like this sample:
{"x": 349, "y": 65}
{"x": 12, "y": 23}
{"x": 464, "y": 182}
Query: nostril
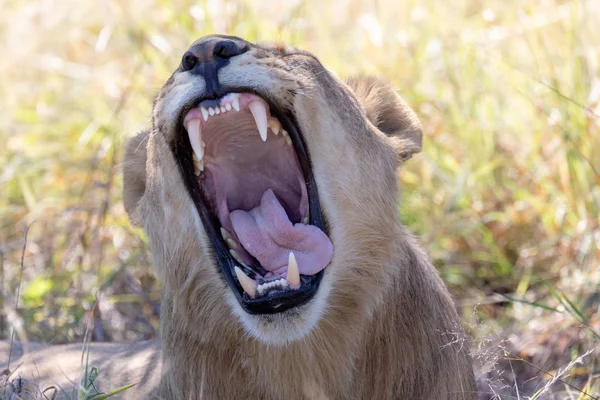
{"x": 228, "y": 49}
{"x": 188, "y": 61}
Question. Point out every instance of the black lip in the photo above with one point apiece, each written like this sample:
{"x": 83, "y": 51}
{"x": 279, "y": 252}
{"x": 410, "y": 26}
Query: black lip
{"x": 274, "y": 302}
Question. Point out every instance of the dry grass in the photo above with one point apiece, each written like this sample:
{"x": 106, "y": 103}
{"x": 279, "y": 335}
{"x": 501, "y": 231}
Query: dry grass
{"x": 506, "y": 195}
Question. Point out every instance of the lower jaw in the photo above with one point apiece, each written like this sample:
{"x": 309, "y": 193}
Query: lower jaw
{"x": 279, "y": 330}
{"x": 276, "y": 304}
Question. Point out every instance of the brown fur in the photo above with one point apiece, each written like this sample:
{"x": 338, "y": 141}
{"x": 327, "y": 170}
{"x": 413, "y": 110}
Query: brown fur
{"x": 382, "y": 324}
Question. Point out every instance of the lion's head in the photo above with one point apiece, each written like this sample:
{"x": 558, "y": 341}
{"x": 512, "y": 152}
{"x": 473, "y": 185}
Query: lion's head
{"x": 268, "y": 190}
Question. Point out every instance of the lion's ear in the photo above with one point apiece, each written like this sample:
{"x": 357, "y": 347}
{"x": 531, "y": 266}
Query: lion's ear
{"x": 134, "y": 174}
{"x": 389, "y": 113}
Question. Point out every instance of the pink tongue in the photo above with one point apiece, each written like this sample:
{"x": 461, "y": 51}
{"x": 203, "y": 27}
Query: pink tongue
{"x": 267, "y": 233}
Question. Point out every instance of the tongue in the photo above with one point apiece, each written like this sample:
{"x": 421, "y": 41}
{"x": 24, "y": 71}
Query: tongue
{"x": 267, "y": 233}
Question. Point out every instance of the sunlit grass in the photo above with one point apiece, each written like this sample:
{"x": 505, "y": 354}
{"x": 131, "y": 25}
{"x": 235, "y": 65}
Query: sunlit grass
{"x": 505, "y": 196}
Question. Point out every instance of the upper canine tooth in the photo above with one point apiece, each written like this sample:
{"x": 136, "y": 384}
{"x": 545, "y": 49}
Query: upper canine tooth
{"x": 248, "y": 284}
{"x": 259, "y": 112}
{"x": 204, "y": 112}
{"x": 235, "y": 103}
{"x": 293, "y": 275}
{"x": 195, "y": 133}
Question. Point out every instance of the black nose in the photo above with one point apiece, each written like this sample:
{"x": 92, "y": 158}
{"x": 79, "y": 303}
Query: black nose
{"x": 188, "y": 61}
{"x": 212, "y": 51}
{"x": 208, "y": 55}
{"x": 227, "y": 49}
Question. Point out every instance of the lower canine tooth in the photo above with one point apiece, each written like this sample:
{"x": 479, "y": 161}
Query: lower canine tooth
{"x": 305, "y": 221}
{"x": 293, "y": 275}
{"x": 248, "y": 284}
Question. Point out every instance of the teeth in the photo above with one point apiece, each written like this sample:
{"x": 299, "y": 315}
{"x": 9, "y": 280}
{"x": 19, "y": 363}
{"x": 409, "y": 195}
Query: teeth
{"x": 198, "y": 165}
{"x": 286, "y": 136}
{"x": 279, "y": 284}
{"x": 195, "y": 133}
{"x": 236, "y": 255}
{"x": 274, "y": 125}
{"x": 293, "y": 275}
{"x": 259, "y": 112}
{"x": 231, "y": 243}
{"x": 306, "y": 218}
{"x": 248, "y": 284}
{"x": 225, "y": 234}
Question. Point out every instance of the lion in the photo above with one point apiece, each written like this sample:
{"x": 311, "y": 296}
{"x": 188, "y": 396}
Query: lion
{"x": 268, "y": 189}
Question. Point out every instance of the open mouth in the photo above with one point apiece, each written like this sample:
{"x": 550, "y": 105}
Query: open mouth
{"x": 248, "y": 171}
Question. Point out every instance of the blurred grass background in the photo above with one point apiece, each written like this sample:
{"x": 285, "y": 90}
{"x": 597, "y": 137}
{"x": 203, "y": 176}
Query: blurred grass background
{"x": 505, "y": 196}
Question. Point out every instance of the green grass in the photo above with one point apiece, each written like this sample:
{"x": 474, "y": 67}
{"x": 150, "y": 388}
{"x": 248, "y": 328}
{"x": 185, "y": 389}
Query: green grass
{"x": 87, "y": 389}
{"x": 505, "y": 196}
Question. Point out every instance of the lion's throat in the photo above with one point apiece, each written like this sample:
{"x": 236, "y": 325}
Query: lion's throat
{"x": 268, "y": 235}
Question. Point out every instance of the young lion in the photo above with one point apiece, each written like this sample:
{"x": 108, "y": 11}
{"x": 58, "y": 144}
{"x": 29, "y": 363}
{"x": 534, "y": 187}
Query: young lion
{"x": 268, "y": 190}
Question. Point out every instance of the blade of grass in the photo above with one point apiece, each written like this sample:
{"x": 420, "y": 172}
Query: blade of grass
{"x": 110, "y": 394}
{"x": 571, "y": 309}
{"x": 531, "y": 303}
